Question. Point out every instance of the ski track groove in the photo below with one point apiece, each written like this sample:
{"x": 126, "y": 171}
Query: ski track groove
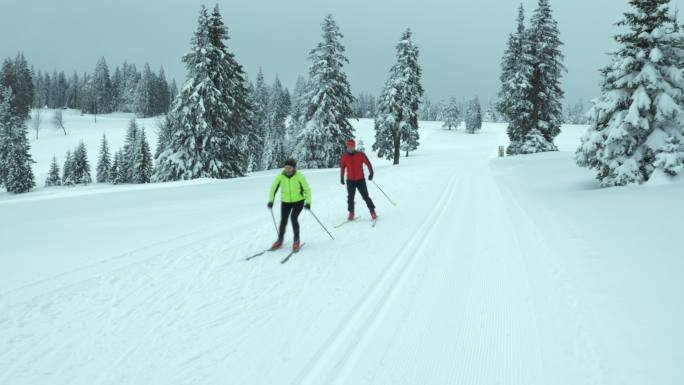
{"x": 333, "y": 351}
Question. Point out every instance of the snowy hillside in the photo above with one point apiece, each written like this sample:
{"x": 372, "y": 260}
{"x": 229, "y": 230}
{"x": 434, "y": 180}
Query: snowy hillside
{"x": 493, "y": 271}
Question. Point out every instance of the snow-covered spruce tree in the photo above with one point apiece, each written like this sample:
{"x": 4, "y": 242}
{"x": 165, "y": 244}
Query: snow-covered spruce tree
{"x": 453, "y": 115}
{"x": 118, "y": 173}
{"x": 16, "y": 75}
{"x": 260, "y": 126}
{"x": 637, "y": 121}
{"x": 163, "y": 93}
{"x": 474, "y": 116}
{"x": 275, "y": 151}
{"x": 396, "y": 126}
{"x": 146, "y": 95}
{"x": 81, "y": 166}
{"x": 15, "y": 160}
{"x": 130, "y": 153}
{"x": 211, "y": 114}
{"x": 326, "y": 124}
{"x": 142, "y": 168}
{"x": 102, "y": 88}
{"x": 68, "y": 170}
{"x": 163, "y": 136}
{"x": 546, "y": 93}
{"x": 53, "y": 178}
{"x": 104, "y": 162}
{"x": 515, "y": 103}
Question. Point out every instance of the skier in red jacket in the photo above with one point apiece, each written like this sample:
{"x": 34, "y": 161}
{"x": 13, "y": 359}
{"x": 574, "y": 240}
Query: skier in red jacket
{"x": 352, "y": 161}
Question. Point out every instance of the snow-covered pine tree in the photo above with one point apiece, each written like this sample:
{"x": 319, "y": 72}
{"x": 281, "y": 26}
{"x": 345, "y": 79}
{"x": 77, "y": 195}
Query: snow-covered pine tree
{"x": 546, "y": 93}
{"x": 258, "y": 140}
{"x": 163, "y": 136}
{"x": 325, "y": 125}
{"x": 142, "y": 168}
{"x": 514, "y": 97}
{"x": 474, "y": 116}
{"x": 146, "y": 94}
{"x": 212, "y": 113}
{"x": 102, "y": 88}
{"x": 396, "y": 126}
{"x": 68, "y": 170}
{"x": 16, "y": 75}
{"x": 130, "y": 153}
{"x": 53, "y": 178}
{"x": 103, "y": 162}
{"x": 637, "y": 121}
{"x": 15, "y": 159}
{"x": 173, "y": 92}
{"x": 163, "y": 93}
{"x": 453, "y": 115}
{"x": 81, "y": 166}
{"x": 275, "y": 151}
{"x": 118, "y": 173}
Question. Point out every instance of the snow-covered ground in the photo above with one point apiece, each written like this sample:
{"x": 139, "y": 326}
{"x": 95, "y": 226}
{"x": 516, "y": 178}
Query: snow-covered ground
{"x": 488, "y": 271}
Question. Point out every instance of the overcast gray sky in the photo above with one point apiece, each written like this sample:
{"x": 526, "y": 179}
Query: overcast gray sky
{"x": 461, "y": 41}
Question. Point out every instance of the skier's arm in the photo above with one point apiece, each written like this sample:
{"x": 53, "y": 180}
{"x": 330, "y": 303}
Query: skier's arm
{"x": 274, "y": 189}
{"x": 343, "y": 167}
{"x": 369, "y": 165}
{"x": 307, "y": 191}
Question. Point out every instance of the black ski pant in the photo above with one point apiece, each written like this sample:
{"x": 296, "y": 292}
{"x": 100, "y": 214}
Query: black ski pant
{"x": 290, "y": 210}
{"x": 352, "y": 186}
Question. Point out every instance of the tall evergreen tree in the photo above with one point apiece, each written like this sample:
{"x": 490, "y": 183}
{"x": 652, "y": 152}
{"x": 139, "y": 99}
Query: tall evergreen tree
{"x": 637, "y": 121}
{"x": 16, "y": 75}
{"x": 130, "y": 153}
{"x": 163, "y": 100}
{"x": 546, "y": 93}
{"x": 15, "y": 159}
{"x": 261, "y": 128}
{"x": 515, "y": 102}
{"x": 53, "y": 178}
{"x": 325, "y": 126}
{"x": 275, "y": 149}
{"x": 474, "y": 116}
{"x": 453, "y": 115}
{"x": 68, "y": 170}
{"x": 102, "y": 88}
{"x": 146, "y": 95}
{"x": 104, "y": 162}
{"x": 212, "y": 113}
{"x": 396, "y": 126}
{"x": 81, "y": 166}
{"x": 142, "y": 168}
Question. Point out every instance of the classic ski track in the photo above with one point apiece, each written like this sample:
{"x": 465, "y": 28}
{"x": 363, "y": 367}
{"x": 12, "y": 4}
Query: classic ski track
{"x": 334, "y": 353}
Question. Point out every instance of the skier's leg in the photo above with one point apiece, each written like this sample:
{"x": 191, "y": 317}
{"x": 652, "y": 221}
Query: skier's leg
{"x": 351, "y": 191}
{"x": 363, "y": 190}
{"x": 296, "y": 210}
{"x": 285, "y": 210}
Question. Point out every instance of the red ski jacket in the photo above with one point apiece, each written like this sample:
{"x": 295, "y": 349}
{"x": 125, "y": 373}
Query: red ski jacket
{"x": 353, "y": 163}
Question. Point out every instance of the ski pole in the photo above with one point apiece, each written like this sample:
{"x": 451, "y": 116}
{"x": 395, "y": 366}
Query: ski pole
{"x": 274, "y": 222}
{"x": 319, "y": 222}
{"x": 383, "y": 193}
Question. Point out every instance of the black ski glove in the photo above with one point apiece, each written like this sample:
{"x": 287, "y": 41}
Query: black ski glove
{"x": 342, "y": 181}
{"x": 307, "y": 206}
{"x": 370, "y": 177}
{"x": 270, "y": 205}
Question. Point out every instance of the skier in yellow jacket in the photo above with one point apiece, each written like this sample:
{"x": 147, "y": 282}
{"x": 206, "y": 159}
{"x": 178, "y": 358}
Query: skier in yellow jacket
{"x": 295, "y": 194}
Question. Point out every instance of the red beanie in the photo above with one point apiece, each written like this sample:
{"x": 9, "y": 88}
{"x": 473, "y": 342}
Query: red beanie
{"x": 350, "y": 143}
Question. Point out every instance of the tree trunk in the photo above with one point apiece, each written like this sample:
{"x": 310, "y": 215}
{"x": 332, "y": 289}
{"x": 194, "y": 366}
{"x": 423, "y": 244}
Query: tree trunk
{"x": 397, "y": 149}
